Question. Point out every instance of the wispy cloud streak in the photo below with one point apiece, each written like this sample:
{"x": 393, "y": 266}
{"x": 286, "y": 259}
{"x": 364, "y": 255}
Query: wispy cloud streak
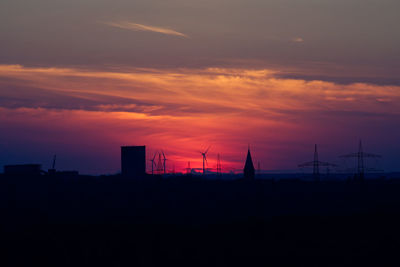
{"x": 141, "y": 27}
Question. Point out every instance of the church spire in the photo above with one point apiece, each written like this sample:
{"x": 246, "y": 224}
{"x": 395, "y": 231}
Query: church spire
{"x": 249, "y": 171}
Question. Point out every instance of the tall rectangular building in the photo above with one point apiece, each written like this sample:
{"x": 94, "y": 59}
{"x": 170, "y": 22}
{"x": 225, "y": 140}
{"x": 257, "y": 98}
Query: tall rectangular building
{"x": 133, "y": 161}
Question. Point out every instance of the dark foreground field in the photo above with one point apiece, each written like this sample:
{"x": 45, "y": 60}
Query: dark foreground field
{"x": 110, "y": 221}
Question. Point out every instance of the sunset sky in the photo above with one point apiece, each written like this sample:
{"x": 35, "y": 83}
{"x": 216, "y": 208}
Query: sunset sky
{"x": 81, "y": 78}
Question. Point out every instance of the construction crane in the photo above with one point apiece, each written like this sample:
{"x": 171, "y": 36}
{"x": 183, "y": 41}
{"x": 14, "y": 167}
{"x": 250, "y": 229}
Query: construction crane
{"x": 52, "y": 171}
{"x": 360, "y": 155}
{"x": 53, "y": 166}
{"x": 316, "y": 164}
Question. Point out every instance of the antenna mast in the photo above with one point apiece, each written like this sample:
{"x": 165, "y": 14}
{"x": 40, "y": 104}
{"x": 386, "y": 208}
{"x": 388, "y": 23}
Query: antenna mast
{"x": 188, "y": 169}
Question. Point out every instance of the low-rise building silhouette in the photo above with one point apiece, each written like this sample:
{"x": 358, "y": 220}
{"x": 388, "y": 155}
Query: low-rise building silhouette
{"x": 23, "y": 169}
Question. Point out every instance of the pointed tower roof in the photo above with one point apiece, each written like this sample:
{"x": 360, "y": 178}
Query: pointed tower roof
{"x": 249, "y": 171}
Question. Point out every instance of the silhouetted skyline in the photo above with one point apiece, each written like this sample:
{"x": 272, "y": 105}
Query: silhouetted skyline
{"x": 133, "y": 162}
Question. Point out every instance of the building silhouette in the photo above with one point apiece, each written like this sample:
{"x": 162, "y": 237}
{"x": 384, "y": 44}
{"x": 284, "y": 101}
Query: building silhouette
{"x": 133, "y": 161}
{"x": 23, "y": 169}
{"x": 249, "y": 171}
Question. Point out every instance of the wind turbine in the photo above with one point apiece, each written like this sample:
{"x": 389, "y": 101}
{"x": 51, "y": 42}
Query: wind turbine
{"x": 204, "y": 154}
{"x": 165, "y": 159}
{"x": 159, "y": 166}
{"x": 152, "y": 163}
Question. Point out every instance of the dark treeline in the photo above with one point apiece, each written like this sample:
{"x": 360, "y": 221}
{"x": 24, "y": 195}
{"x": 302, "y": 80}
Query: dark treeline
{"x": 111, "y": 221}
